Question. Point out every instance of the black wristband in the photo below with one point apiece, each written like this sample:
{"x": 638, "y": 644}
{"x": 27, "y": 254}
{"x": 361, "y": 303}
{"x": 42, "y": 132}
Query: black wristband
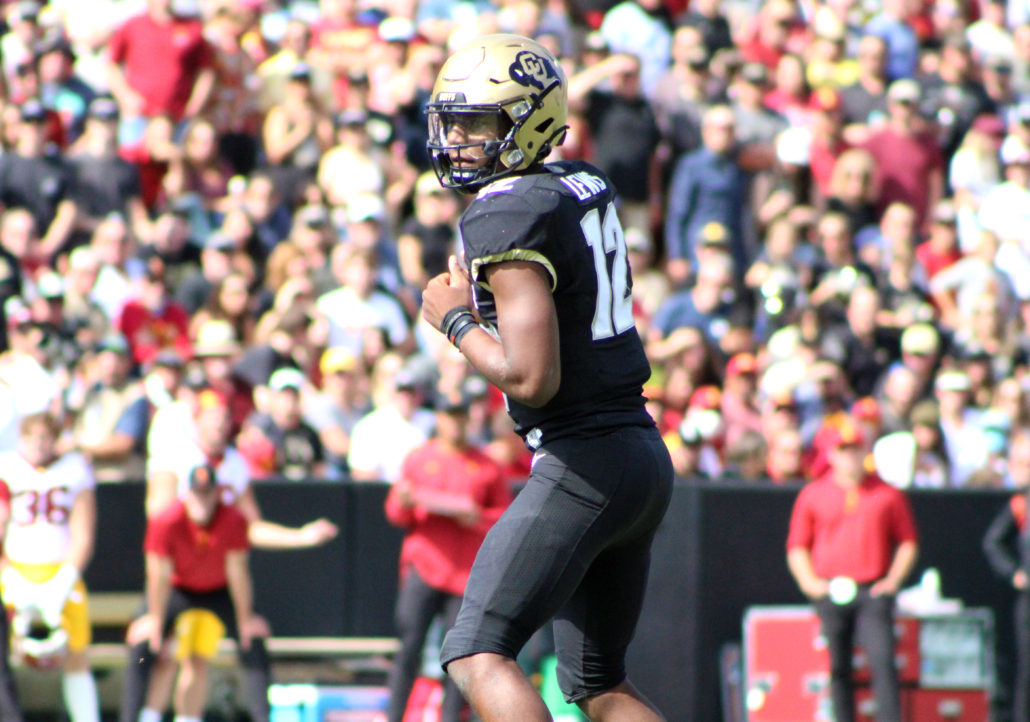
{"x": 457, "y": 322}
{"x": 451, "y": 319}
{"x": 461, "y": 329}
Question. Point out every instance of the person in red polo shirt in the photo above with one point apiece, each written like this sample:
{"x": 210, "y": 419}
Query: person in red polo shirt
{"x": 852, "y": 542}
{"x": 196, "y": 558}
{"x": 447, "y": 498}
{"x": 160, "y": 65}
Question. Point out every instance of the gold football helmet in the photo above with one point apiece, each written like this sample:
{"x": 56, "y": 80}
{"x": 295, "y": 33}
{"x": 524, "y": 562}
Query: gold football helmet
{"x": 514, "y": 85}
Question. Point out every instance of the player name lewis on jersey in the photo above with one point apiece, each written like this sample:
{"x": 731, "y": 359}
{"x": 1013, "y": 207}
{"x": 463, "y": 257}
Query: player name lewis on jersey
{"x": 583, "y": 184}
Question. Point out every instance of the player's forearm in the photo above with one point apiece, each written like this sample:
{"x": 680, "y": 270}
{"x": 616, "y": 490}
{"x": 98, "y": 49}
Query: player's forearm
{"x": 240, "y": 589}
{"x": 799, "y": 561}
{"x": 158, "y": 585}
{"x": 532, "y": 387}
{"x": 263, "y": 534}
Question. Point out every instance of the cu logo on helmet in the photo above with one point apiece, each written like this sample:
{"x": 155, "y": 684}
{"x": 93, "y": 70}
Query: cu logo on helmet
{"x": 531, "y": 69}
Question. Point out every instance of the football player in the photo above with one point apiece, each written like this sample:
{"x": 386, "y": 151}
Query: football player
{"x": 541, "y": 306}
{"x": 208, "y": 441}
{"x": 49, "y": 542}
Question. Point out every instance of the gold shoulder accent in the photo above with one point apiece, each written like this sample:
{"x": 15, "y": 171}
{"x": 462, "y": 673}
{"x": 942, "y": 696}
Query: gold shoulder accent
{"x": 516, "y": 254}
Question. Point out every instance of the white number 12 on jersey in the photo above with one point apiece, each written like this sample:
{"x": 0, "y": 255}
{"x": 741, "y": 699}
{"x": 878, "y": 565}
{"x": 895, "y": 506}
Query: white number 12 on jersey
{"x": 613, "y": 313}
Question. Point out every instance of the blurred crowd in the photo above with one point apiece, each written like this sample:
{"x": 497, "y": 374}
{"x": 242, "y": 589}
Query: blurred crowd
{"x": 826, "y": 207}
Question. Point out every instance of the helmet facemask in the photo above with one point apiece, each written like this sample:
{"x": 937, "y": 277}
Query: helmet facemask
{"x": 504, "y": 154}
{"x": 488, "y": 130}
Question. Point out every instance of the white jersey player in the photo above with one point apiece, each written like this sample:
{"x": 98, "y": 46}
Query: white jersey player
{"x": 49, "y": 542}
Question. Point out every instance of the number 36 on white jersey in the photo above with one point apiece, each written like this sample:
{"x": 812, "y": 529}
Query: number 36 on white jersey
{"x": 41, "y": 506}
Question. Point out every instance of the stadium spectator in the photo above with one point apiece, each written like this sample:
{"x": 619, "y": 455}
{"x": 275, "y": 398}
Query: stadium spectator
{"x": 1001, "y": 210}
{"x": 112, "y": 422}
{"x": 277, "y": 443}
{"x": 722, "y": 198}
{"x": 397, "y": 424}
{"x": 218, "y": 351}
{"x": 707, "y": 17}
{"x": 1021, "y": 55}
{"x": 956, "y": 288}
{"x": 775, "y": 30}
{"x": 159, "y": 65}
{"x": 974, "y": 170}
{"x": 681, "y": 95}
{"x": 836, "y": 271}
{"x": 892, "y": 25}
{"x": 862, "y": 346}
{"x": 919, "y": 183}
{"x": 23, "y": 33}
{"x": 990, "y": 34}
{"x": 151, "y": 321}
{"x": 272, "y": 75}
{"x": 357, "y": 308}
{"x": 864, "y": 102}
{"x": 31, "y": 177}
{"x": 788, "y": 92}
{"x": 940, "y": 250}
{"x": 850, "y": 190}
{"x": 61, "y": 89}
{"x": 26, "y": 367}
{"x": 640, "y": 28}
{"x": 80, "y": 310}
{"x": 785, "y": 463}
{"x": 264, "y": 205}
{"x": 231, "y": 301}
{"x": 104, "y": 183}
{"x": 337, "y": 408}
{"x": 739, "y": 403}
{"x": 448, "y": 496}
{"x": 198, "y": 176}
{"x": 707, "y": 305}
{"x": 295, "y": 134}
{"x": 113, "y": 246}
{"x": 623, "y": 131}
{"x": 353, "y": 166}
{"x": 232, "y": 106}
{"x": 428, "y": 236}
{"x": 952, "y": 96}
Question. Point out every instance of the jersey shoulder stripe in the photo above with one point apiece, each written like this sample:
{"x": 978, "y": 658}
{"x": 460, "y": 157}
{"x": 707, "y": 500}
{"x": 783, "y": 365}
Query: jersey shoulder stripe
{"x": 515, "y": 254}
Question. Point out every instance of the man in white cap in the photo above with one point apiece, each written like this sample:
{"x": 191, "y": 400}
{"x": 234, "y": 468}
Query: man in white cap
{"x": 297, "y": 449}
{"x": 919, "y": 181}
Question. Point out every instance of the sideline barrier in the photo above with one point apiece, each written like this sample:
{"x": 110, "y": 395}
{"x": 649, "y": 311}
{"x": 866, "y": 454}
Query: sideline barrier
{"x": 720, "y": 550}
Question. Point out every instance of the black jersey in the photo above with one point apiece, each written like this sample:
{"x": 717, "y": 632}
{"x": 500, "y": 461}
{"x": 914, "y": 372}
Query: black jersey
{"x": 564, "y": 219}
